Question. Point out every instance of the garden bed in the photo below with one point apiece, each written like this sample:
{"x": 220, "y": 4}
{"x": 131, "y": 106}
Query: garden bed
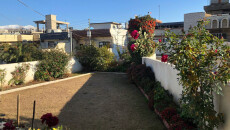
{"x": 38, "y": 83}
{"x": 159, "y": 99}
{"x": 167, "y": 125}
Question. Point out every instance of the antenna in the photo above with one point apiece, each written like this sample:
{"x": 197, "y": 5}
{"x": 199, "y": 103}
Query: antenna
{"x": 159, "y": 12}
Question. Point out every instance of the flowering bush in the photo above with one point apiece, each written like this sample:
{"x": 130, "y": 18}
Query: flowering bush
{"x": 141, "y": 30}
{"x": 145, "y": 23}
{"x": 197, "y": 56}
{"x": 52, "y": 66}
{"x": 141, "y": 47}
{"x": 19, "y": 74}
{"x": 49, "y": 120}
{"x": 9, "y": 126}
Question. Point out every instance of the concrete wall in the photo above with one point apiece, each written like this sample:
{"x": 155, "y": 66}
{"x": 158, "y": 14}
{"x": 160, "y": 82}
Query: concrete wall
{"x": 64, "y": 45}
{"x": 165, "y": 74}
{"x": 190, "y": 19}
{"x": 73, "y": 66}
{"x": 25, "y": 38}
{"x": 101, "y": 26}
{"x": 8, "y": 38}
{"x": 18, "y": 38}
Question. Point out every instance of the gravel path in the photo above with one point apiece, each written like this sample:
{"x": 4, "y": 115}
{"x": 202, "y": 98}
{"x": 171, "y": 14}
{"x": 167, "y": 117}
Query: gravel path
{"x": 96, "y": 102}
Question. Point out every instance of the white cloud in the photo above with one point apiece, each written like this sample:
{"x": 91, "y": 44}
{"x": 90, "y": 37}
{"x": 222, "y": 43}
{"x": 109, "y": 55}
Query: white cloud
{"x": 17, "y": 27}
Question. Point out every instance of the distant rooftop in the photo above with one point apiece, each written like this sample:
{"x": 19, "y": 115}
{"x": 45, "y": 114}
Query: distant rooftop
{"x": 170, "y": 25}
{"x": 77, "y": 34}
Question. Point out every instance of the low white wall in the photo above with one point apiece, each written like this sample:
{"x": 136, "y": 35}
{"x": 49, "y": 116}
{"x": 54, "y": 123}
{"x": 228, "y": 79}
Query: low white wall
{"x": 73, "y": 67}
{"x": 165, "y": 74}
{"x": 9, "y": 68}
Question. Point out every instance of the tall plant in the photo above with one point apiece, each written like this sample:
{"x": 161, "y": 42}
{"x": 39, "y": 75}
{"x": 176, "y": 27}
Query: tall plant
{"x": 2, "y": 77}
{"x": 141, "y": 44}
{"x": 203, "y": 63}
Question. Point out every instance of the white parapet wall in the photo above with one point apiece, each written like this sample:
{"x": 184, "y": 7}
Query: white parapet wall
{"x": 167, "y": 75}
{"x": 73, "y": 67}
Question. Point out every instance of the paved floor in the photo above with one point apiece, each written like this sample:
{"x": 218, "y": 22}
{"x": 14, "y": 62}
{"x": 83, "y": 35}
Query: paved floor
{"x": 96, "y": 102}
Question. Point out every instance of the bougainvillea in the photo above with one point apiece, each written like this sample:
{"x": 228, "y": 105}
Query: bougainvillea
{"x": 197, "y": 57}
{"x": 146, "y": 23}
{"x": 141, "y": 29}
{"x": 50, "y": 120}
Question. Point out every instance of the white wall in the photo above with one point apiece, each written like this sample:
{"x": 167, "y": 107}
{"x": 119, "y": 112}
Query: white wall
{"x": 73, "y": 66}
{"x": 165, "y": 74}
{"x": 120, "y": 40}
{"x": 190, "y": 19}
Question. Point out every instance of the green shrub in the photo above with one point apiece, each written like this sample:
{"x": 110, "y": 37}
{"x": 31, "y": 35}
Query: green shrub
{"x": 95, "y": 59}
{"x": 20, "y": 53}
{"x": 19, "y": 74}
{"x": 53, "y": 65}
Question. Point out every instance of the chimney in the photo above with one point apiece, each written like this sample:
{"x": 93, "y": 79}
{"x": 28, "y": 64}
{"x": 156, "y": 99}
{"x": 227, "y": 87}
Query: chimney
{"x": 126, "y": 25}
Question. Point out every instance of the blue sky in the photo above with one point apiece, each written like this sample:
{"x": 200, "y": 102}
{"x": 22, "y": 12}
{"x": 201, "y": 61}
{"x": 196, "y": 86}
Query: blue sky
{"x": 77, "y": 12}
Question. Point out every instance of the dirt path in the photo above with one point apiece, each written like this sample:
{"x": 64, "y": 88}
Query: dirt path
{"x": 97, "y": 102}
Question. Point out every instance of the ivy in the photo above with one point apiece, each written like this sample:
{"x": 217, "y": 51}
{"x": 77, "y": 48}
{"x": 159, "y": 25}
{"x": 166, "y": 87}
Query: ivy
{"x": 203, "y": 63}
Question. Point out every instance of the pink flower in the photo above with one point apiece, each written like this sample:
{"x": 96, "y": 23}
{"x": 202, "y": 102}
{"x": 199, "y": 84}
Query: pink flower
{"x": 164, "y": 58}
{"x": 160, "y": 40}
{"x": 133, "y": 47}
{"x": 216, "y": 51}
{"x": 135, "y": 34}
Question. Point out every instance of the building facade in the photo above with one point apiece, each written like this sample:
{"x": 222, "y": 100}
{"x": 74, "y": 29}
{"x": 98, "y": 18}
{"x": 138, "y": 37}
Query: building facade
{"x": 53, "y": 36}
{"x": 109, "y": 34}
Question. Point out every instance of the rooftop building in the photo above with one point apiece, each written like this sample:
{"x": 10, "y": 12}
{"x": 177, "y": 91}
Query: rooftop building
{"x": 218, "y": 7}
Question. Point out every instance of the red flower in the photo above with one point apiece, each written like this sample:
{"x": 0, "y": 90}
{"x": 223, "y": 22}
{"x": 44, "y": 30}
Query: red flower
{"x": 160, "y": 40}
{"x": 164, "y": 58}
{"x": 50, "y": 120}
{"x": 135, "y": 34}
{"x": 216, "y": 51}
{"x": 133, "y": 47}
{"x": 168, "y": 113}
{"x": 9, "y": 126}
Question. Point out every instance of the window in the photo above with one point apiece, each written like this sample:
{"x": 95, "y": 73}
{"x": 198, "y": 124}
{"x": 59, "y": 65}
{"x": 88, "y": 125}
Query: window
{"x": 224, "y": 23}
{"x": 52, "y": 44}
{"x": 214, "y": 24}
{"x": 220, "y": 35}
{"x": 101, "y": 44}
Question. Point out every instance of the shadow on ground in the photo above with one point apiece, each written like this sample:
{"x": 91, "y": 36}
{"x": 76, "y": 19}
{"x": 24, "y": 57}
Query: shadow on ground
{"x": 109, "y": 101}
